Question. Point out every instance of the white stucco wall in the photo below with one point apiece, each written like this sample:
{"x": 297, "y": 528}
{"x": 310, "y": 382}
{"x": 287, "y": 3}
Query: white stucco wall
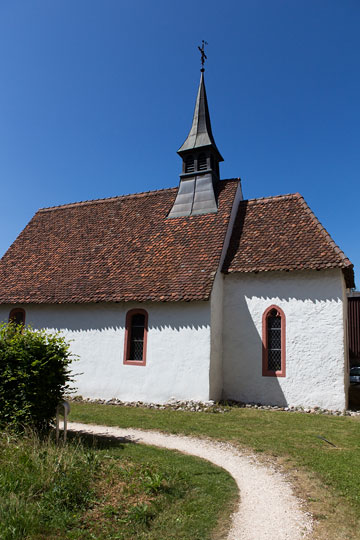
{"x": 178, "y": 348}
{"x": 216, "y": 368}
{"x": 217, "y": 304}
{"x": 315, "y": 338}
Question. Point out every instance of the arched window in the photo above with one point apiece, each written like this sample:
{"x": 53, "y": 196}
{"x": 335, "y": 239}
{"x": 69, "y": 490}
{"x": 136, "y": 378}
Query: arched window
{"x": 273, "y": 339}
{"x": 136, "y": 328}
{"x": 17, "y": 316}
{"x": 189, "y": 164}
{"x": 202, "y": 162}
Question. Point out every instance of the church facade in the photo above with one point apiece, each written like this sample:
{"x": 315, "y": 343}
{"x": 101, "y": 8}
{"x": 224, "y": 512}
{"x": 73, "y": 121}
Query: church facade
{"x": 189, "y": 292}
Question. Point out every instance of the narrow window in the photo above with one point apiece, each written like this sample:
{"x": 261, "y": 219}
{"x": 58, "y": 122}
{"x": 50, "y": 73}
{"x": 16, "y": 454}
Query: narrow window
{"x": 17, "y": 316}
{"x": 189, "y": 164}
{"x": 274, "y": 342}
{"x": 202, "y": 162}
{"x": 135, "y": 337}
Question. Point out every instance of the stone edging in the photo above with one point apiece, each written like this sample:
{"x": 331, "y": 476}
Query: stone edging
{"x": 211, "y": 406}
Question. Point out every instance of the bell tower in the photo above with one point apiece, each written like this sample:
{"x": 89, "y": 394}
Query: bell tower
{"x": 201, "y": 158}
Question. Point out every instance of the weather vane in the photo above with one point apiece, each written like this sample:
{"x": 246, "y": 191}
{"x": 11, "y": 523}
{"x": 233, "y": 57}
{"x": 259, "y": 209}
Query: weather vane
{"x": 203, "y": 55}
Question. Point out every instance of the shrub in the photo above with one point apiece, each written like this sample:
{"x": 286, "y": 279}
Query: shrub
{"x": 34, "y": 375}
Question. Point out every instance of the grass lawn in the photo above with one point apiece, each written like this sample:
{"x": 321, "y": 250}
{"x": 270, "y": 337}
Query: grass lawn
{"x": 328, "y": 478}
{"x": 105, "y": 490}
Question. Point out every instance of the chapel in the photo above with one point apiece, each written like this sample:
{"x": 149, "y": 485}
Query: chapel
{"x": 191, "y": 292}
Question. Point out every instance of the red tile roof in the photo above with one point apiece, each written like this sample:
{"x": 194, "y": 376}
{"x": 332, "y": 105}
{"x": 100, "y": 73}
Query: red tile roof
{"x": 118, "y": 249}
{"x": 282, "y": 233}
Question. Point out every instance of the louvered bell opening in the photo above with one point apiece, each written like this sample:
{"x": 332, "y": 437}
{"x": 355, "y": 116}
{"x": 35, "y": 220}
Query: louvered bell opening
{"x": 202, "y": 162}
{"x": 274, "y": 341}
{"x": 137, "y": 337}
{"x": 189, "y": 164}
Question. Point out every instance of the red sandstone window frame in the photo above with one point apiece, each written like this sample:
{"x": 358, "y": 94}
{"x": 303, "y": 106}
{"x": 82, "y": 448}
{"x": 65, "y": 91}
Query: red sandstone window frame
{"x": 127, "y": 342}
{"x": 14, "y": 311}
{"x": 265, "y": 371}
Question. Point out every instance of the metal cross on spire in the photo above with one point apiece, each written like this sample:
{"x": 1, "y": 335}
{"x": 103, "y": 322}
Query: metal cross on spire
{"x": 203, "y": 55}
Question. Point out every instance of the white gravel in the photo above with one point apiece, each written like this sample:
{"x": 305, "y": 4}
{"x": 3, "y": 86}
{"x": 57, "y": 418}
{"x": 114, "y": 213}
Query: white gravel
{"x": 268, "y": 508}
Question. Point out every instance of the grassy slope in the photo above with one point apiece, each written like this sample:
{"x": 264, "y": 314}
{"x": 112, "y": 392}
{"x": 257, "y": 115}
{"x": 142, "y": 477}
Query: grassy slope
{"x": 328, "y": 476}
{"x": 194, "y": 500}
{"x": 108, "y": 490}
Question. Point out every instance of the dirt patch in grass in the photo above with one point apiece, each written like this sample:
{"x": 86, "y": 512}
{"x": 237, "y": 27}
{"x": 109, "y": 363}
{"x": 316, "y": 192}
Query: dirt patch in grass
{"x": 150, "y": 493}
{"x": 128, "y": 495}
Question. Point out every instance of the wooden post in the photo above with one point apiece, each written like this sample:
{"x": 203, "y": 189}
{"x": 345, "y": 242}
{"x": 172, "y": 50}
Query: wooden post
{"x": 65, "y": 406}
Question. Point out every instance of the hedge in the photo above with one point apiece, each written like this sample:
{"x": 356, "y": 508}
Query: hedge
{"x": 34, "y": 375}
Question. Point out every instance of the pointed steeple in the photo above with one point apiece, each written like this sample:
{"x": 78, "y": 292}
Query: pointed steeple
{"x": 201, "y": 158}
{"x": 200, "y": 135}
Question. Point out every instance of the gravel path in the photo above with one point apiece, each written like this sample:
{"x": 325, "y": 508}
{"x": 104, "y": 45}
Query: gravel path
{"x": 268, "y": 509}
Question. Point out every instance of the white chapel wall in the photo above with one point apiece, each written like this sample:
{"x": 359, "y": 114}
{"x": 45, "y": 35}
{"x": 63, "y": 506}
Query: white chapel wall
{"x": 316, "y": 352}
{"x": 217, "y": 303}
{"x": 178, "y": 348}
{"x": 216, "y": 367}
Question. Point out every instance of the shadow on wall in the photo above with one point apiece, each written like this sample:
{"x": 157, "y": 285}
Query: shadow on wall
{"x": 300, "y": 294}
{"x": 104, "y": 318}
{"x": 242, "y": 362}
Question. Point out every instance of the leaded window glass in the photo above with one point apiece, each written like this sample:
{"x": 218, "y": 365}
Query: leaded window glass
{"x": 274, "y": 340}
{"x": 137, "y": 336}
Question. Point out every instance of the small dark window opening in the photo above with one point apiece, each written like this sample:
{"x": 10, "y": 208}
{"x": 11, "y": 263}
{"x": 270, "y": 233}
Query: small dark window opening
{"x": 274, "y": 341}
{"x": 189, "y": 164}
{"x": 17, "y": 316}
{"x": 136, "y": 328}
{"x": 137, "y": 332}
{"x": 202, "y": 162}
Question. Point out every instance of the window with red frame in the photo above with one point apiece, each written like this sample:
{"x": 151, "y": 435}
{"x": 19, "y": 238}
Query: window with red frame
{"x": 136, "y": 337}
{"x": 17, "y": 316}
{"x": 274, "y": 342}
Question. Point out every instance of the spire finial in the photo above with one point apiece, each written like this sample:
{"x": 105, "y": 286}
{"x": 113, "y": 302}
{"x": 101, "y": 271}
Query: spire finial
{"x": 203, "y": 55}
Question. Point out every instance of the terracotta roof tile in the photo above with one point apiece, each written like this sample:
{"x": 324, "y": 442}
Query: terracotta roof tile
{"x": 117, "y": 249}
{"x": 282, "y": 233}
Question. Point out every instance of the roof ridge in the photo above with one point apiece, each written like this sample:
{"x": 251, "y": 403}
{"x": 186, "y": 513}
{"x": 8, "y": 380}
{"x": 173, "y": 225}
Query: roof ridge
{"x": 119, "y": 197}
{"x": 259, "y": 200}
{"x": 324, "y": 232}
{"x": 108, "y": 199}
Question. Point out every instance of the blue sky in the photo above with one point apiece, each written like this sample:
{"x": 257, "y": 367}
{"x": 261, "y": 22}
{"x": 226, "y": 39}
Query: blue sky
{"x": 97, "y": 96}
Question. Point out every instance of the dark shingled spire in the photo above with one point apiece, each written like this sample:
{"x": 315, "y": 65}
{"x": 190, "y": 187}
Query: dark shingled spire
{"x": 201, "y": 158}
{"x": 200, "y": 134}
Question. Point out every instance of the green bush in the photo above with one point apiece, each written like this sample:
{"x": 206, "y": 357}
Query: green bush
{"x": 34, "y": 374}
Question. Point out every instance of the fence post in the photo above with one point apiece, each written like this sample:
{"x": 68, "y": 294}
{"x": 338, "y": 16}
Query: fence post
{"x": 65, "y": 406}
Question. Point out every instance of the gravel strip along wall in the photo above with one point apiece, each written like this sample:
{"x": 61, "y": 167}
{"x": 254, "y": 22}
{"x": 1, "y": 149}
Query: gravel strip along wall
{"x": 210, "y": 406}
{"x": 268, "y": 508}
